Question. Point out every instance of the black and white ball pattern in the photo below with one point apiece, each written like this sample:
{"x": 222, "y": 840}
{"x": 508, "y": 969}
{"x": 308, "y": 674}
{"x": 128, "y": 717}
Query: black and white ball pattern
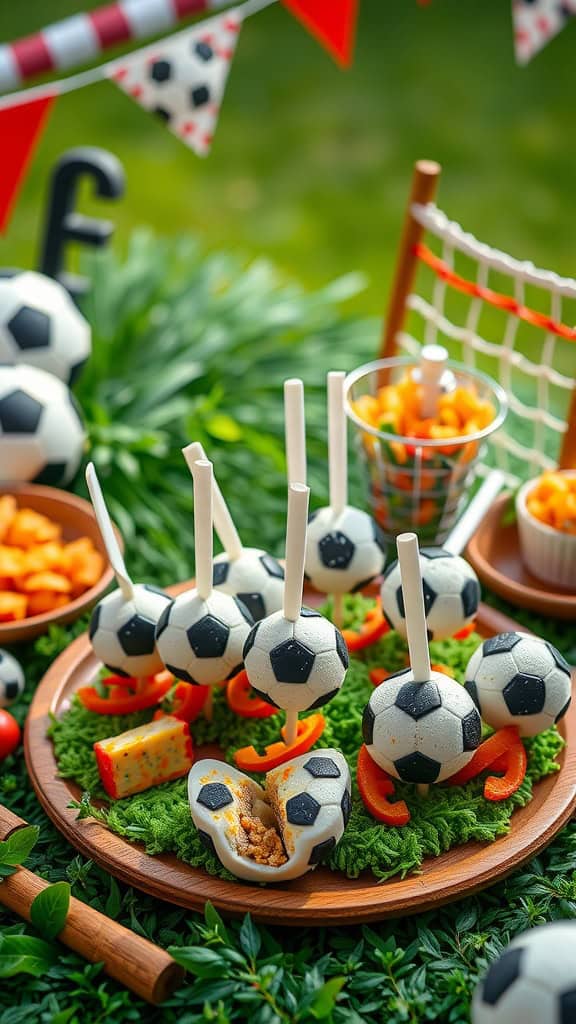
{"x": 11, "y": 679}
{"x": 41, "y": 326}
{"x": 533, "y": 981}
{"x": 344, "y": 551}
{"x": 451, "y": 594}
{"x": 296, "y": 665}
{"x": 421, "y": 732}
{"x": 202, "y": 641}
{"x": 41, "y": 431}
{"x": 518, "y": 679}
{"x": 123, "y": 632}
{"x": 255, "y": 578}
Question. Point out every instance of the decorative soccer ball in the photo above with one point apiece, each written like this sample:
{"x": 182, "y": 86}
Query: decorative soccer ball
{"x": 533, "y": 981}
{"x": 421, "y": 732}
{"x": 255, "y": 578}
{"x": 11, "y": 679}
{"x": 518, "y": 679}
{"x": 123, "y": 632}
{"x": 41, "y": 326}
{"x": 296, "y": 665}
{"x": 202, "y": 641}
{"x": 344, "y": 552}
{"x": 451, "y": 594}
{"x": 41, "y": 432}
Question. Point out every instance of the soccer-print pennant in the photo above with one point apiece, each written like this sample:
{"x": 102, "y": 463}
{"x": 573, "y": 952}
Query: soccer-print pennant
{"x": 182, "y": 80}
{"x": 536, "y": 22}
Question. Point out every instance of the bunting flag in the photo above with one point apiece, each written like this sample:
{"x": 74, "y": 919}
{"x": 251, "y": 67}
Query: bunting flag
{"x": 20, "y": 128}
{"x": 536, "y": 22}
{"x": 331, "y": 22}
{"x": 182, "y": 79}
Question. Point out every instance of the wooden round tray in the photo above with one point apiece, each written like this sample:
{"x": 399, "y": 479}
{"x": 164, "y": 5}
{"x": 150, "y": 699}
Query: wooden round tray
{"x": 494, "y": 552}
{"x": 320, "y": 897}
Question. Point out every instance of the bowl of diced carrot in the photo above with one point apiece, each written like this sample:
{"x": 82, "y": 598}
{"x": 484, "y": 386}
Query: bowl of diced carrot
{"x": 546, "y": 514}
{"x": 419, "y": 468}
{"x": 53, "y": 564}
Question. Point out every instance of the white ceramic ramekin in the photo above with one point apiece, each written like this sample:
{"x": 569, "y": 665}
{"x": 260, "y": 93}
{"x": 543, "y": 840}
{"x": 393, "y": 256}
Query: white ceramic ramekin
{"x": 547, "y": 553}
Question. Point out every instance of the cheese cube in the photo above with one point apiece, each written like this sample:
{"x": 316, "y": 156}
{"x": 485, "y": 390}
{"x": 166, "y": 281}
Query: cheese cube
{"x": 146, "y": 756}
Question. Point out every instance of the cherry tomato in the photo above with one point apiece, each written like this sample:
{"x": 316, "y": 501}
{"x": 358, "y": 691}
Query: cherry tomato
{"x": 9, "y": 733}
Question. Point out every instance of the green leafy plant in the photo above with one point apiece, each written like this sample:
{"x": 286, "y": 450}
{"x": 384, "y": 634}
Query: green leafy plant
{"x": 15, "y": 850}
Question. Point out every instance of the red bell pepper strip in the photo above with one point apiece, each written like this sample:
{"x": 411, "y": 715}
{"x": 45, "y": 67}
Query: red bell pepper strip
{"x": 464, "y": 633}
{"x": 378, "y": 675}
{"x": 496, "y": 788}
{"x": 488, "y": 752}
{"x": 243, "y": 701}
{"x": 309, "y": 730}
{"x": 373, "y": 627}
{"x": 119, "y": 702}
{"x": 185, "y": 702}
{"x": 375, "y": 786}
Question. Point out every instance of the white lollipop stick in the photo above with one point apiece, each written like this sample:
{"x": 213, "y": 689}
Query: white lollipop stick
{"x": 223, "y": 522}
{"x": 203, "y": 478}
{"x": 298, "y": 495}
{"x": 295, "y": 430}
{"x": 474, "y": 514}
{"x": 433, "y": 359}
{"x": 411, "y": 575}
{"x": 337, "y": 442}
{"x": 107, "y": 531}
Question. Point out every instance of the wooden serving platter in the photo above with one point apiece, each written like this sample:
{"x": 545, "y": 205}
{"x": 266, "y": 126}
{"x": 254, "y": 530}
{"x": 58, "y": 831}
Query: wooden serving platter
{"x": 321, "y": 897}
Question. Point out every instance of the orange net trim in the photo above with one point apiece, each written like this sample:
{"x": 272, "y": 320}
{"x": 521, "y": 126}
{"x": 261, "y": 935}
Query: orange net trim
{"x": 504, "y": 302}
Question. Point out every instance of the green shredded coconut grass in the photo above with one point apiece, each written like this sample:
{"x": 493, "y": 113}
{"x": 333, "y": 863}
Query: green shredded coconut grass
{"x": 160, "y": 817}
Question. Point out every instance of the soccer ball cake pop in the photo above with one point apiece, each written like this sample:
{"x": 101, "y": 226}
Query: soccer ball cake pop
{"x": 518, "y": 679}
{"x": 200, "y": 636}
{"x": 123, "y": 623}
{"x": 419, "y": 726}
{"x": 11, "y": 679}
{"x": 344, "y": 547}
{"x": 250, "y": 574}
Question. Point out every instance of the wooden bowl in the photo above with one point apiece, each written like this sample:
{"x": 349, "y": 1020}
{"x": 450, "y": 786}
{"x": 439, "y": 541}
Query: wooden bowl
{"x": 77, "y": 519}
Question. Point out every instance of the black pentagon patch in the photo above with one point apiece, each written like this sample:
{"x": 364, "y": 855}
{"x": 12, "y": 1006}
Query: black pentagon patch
{"x": 368, "y": 719}
{"x": 182, "y": 674}
{"x": 336, "y": 550}
{"x": 214, "y": 795}
{"x": 429, "y": 596}
{"x": 11, "y": 690}
{"x": 30, "y": 328}
{"x": 118, "y": 671}
{"x": 389, "y": 568}
{"x": 501, "y": 644}
{"x": 400, "y": 602}
{"x": 559, "y": 661}
{"x": 272, "y": 567}
{"x": 563, "y": 711}
{"x": 321, "y": 701}
{"x": 471, "y": 730}
{"x": 206, "y": 841}
{"x": 75, "y": 371}
{"x": 94, "y": 621}
{"x": 341, "y": 648}
{"x": 501, "y": 975}
{"x": 264, "y": 696}
{"x": 302, "y": 809}
{"x": 346, "y": 807}
{"x": 379, "y": 537}
{"x": 432, "y": 553}
{"x": 137, "y": 635}
{"x": 155, "y": 590}
{"x": 19, "y": 413}
{"x": 470, "y": 597}
{"x": 525, "y": 694}
{"x": 322, "y": 768}
{"x": 204, "y": 51}
{"x": 160, "y": 71}
{"x": 251, "y": 606}
{"x": 292, "y": 662}
{"x": 52, "y": 474}
{"x": 200, "y": 96}
{"x": 417, "y": 767}
{"x": 322, "y": 851}
{"x": 418, "y": 699}
{"x": 220, "y": 573}
{"x": 163, "y": 114}
{"x": 472, "y": 689}
{"x": 567, "y": 1003}
{"x": 163, "y": 620}
{"x": 249, "y": 642}
{"x": 208, "y": 637}
{"x": 309, "y": 613}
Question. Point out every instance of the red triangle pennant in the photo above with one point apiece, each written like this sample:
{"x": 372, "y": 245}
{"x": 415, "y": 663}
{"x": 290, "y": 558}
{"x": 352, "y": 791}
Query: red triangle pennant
{"x": 20, "y": 130}
{"x": 331, "y": 22}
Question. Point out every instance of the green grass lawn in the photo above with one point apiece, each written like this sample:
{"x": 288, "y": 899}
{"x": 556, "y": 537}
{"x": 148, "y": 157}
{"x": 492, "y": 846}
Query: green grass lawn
{"x": 311, "y": 165}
